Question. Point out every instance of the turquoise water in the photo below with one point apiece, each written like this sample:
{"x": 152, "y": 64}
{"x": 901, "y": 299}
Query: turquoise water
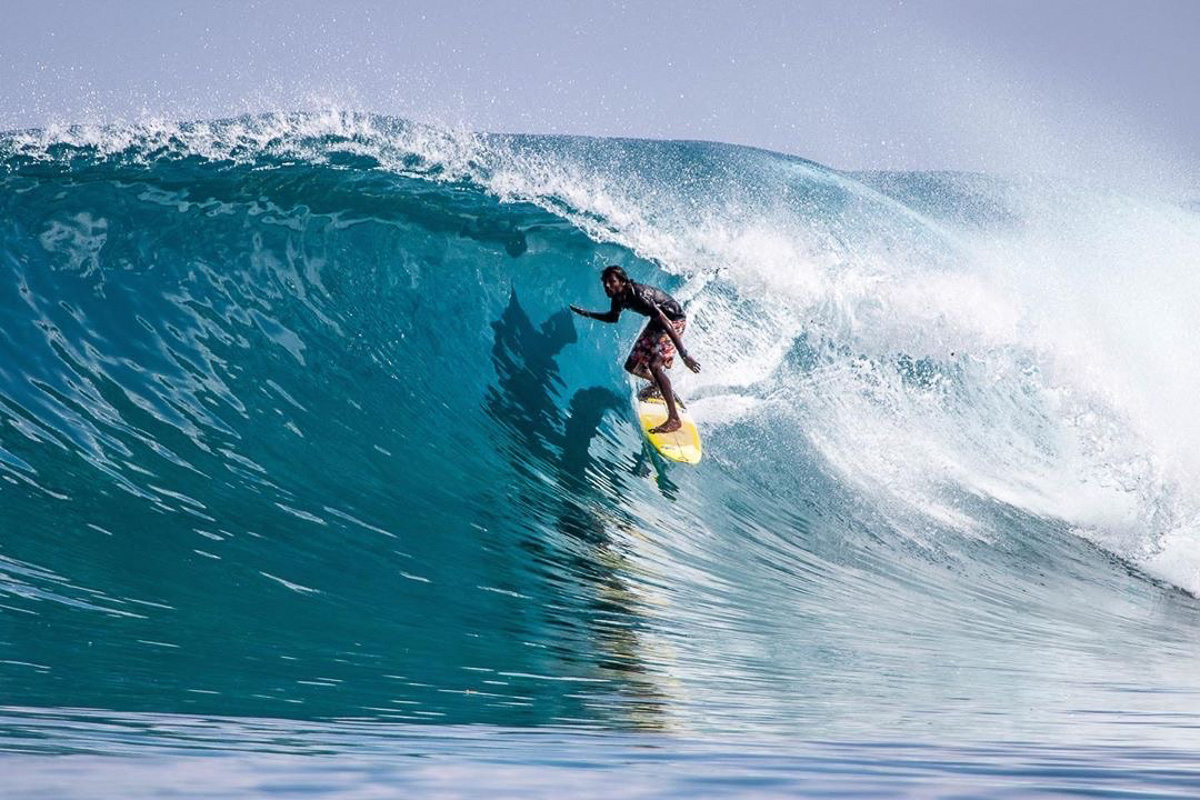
{"x": 311, "y": 482}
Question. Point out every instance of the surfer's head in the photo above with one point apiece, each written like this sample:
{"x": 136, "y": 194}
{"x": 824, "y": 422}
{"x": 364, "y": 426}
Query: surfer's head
{"x": 614, "y": 280}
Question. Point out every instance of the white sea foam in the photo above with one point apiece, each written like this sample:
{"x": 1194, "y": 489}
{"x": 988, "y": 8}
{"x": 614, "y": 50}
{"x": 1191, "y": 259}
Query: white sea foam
{"x": 1061, "y": 347}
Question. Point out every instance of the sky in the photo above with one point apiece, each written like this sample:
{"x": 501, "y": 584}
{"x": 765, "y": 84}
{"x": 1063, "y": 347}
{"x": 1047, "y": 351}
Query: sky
{"x": 1081, "y": 87}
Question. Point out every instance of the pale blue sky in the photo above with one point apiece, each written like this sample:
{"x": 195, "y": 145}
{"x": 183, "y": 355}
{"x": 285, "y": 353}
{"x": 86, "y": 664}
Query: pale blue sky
{"x": 1061, "y": 85}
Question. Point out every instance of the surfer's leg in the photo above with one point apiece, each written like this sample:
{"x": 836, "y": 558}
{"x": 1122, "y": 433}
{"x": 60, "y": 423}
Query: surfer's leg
{"x": 640, "y": 356}
{"x": 672, "y": 422}
{"x": 640, "y": 371}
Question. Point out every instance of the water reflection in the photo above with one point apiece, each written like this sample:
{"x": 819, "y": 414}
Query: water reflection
{"x": 575, "y": 494}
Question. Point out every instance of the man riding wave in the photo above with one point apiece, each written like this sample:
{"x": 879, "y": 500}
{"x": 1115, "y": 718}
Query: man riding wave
{"x": 654, "y": 352}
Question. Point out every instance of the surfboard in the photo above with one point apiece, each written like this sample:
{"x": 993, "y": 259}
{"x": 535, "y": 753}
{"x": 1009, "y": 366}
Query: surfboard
{"x": 682, "y": 445}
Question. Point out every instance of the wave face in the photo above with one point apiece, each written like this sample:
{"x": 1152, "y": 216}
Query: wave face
{"x": 294, "y": 424}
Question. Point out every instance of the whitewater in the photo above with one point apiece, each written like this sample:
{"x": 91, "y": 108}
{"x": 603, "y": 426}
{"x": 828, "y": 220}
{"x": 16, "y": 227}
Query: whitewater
{"x": 308, "y": 472}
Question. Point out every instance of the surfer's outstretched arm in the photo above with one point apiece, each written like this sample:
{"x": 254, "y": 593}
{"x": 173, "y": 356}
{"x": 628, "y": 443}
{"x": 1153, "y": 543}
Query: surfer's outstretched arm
{"x": 612, "y": 315}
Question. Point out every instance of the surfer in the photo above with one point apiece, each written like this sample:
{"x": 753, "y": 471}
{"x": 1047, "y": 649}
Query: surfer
{"x": 654, "y": 351}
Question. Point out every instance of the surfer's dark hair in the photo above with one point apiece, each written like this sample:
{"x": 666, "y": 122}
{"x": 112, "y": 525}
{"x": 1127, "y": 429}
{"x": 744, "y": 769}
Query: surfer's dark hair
{"x": 613, "y": 269}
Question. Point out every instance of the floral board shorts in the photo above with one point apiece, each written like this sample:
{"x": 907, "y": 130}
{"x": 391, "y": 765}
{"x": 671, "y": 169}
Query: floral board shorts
{"x": 654, "y": 341}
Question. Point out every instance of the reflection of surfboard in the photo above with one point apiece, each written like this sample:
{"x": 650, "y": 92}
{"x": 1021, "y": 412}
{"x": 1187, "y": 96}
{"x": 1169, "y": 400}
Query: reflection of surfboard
{"x": 682, "y": 445}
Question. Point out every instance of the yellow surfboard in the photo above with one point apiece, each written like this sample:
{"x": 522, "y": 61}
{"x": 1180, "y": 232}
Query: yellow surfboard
{"x": 682, "y": 445}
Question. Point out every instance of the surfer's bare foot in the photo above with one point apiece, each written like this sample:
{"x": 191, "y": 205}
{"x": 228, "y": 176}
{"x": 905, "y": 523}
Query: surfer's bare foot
{"x": 670, "y": 426}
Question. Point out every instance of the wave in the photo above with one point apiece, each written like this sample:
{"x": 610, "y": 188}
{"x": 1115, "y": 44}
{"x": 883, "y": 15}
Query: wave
{"x": 293, "y": 422}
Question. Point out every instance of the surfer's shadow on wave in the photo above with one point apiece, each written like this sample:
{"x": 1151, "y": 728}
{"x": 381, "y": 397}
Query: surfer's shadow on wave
{"x": 524, "y": 399}
{"x": 540, "y": 429}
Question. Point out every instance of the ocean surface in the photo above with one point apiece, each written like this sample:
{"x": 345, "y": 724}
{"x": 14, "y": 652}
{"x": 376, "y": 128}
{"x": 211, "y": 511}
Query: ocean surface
{"x": 310, "y": 484}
